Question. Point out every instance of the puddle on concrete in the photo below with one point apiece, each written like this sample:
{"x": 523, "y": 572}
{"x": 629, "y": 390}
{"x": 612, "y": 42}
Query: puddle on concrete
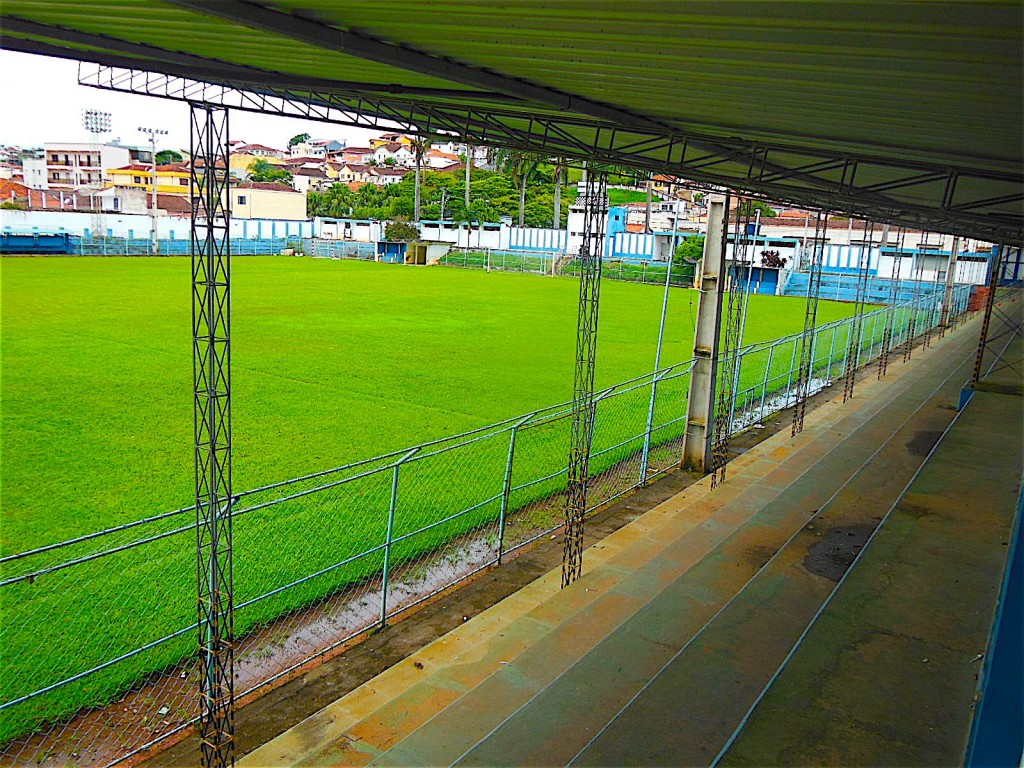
{"x": 834, "y": 554}
{"x": 922, "y": 442}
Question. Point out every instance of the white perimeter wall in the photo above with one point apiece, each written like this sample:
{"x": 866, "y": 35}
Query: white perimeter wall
{"x": 137, "y": 225}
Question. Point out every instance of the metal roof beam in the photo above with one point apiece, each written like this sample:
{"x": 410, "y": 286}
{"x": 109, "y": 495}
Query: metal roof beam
{"x": 486, "y": 125}
{"x": 200, "y": 67}
{"x": 315, "y": 33}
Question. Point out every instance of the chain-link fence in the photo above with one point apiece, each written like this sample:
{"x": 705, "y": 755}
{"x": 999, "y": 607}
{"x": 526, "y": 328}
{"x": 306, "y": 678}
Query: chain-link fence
{"x": 143, "y": 246}
{"x": 639, "y": 271}
{"x": 99, "y": 632}
{"x": 338, "y": 249}
{"x": 558, "y": 263}
{"x": 496, "y": 260}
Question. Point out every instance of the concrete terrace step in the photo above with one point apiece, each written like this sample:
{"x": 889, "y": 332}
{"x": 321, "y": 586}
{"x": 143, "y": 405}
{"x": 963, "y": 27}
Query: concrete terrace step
{"x": 461, "y": 696}
{"x": 710, "y": 685}
{"x": 888, "y": 674}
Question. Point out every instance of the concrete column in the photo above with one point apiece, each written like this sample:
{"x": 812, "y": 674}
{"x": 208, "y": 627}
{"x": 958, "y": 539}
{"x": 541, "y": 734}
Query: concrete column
{"x": 697, "y": 444}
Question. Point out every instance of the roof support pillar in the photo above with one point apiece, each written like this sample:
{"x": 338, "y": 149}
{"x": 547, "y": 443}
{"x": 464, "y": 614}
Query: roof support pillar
{"x": 700, "y": 414}
{"x": 211, "y": 367}
{"x": 584, "y": 407}
{"x": 947, "y": 293}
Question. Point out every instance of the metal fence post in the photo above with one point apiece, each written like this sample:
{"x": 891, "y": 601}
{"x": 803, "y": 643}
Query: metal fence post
{"x": 506, "y": 490}
{"x": 789, "y": 377}
{"x": 846, "y": 350}
{"x": 764, "y": 385}
{"x": 735, "y": 391}
{"x": 389, "y": 536}
{"x": 831, "y": 354}
{"x": 646, "y": 454}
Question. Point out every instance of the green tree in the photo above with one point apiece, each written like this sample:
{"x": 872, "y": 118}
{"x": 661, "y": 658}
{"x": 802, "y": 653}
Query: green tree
{"x": 165, "y": 156}
{"x": 419, "y": 148}
{"x": 299, "y": 139}
{"x": 468, "y": 160}
{"x": 261, "y": 170}
{"x": 520, "y": 165}
{"x": 401, "y": 230}
{"x": 560, "y": 164}
{"x": 690, "y": 251}
{"x": 750, "y": 208}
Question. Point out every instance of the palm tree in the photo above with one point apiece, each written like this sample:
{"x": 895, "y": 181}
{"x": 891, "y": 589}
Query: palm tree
{"x": 561, "y": 165}
{"x": 647, "y": 213}
{"x": 419, "y": 148}
{"x": 469, "y": 166}
{"x": 523, "y": 165}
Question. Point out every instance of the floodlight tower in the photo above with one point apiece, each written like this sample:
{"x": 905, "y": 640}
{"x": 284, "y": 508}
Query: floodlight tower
{"x": 153, "y": 133}
{"x": 96, "y": 123}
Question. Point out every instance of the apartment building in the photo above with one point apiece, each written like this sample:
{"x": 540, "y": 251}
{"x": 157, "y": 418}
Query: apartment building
{"x": 71, "y": 166}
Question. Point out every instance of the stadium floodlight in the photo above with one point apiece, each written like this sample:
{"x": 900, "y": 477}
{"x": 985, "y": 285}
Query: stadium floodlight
{"x": 96, "y": 121}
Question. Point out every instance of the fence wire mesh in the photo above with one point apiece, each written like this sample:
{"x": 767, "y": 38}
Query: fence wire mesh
{"x": 99, "y": 632}
{"x": 143, "y": 246}
{"x": 496, "y": 260}
{"x": 638, "y": 271}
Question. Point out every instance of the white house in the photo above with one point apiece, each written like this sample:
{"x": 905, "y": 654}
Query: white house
{"x": 318, "y": 148}
{"x": 435, "y": 159}
{"x": 384, "y": 176}
{"x": 400, "y": 153}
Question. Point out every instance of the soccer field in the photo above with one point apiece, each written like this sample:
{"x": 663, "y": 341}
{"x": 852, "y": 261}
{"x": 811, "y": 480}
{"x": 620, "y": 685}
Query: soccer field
{"x": 333, "y": 361}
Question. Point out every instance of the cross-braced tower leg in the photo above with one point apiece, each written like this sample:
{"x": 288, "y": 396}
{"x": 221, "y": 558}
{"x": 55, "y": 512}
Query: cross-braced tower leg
{"x": 857, "y": 325}
{"x": 729, "y": 371}
{"x": 986, "y": 320}
{"x": 806, "y": 364}
{"x": 211, "y": 338}
{"x": 917, "y": 278}
{"x": 949, "y": 292}
{"x": 591, "y": 251}
{"x": 891, "y": 310}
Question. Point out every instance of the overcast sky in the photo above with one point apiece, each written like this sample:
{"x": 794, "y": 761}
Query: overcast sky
{"x": 41, "y": 101}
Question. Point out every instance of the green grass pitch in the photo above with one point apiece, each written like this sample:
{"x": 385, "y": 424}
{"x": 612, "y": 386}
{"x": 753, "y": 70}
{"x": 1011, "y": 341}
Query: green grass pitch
{"x": 333, "y": 362}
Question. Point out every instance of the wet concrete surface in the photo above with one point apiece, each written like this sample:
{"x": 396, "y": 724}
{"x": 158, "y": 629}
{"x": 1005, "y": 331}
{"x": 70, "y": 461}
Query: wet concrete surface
{"x": 889, "y": 673}
{"x": 923, "y": 442}
{"x": 833, "y": 555}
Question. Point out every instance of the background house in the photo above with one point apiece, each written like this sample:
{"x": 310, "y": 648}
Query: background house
{"x": 360, "y": 155}
{"x": 171, "y": 179}
{"x": 267, "y": 200}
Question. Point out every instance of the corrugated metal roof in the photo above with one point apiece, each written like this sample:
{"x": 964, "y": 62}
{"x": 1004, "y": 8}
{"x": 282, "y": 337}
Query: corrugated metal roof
{"x": 910, "y": 108}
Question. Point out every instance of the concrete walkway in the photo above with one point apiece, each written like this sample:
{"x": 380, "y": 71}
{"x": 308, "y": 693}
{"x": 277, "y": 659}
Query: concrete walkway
{"x": 684, "y": 617}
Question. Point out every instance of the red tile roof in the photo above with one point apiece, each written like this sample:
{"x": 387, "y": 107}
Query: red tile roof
{"x": 7, "y": 186}
{"x": 182, "y": 167}
{"x": 242, "y": 148}
{"x": 268, "y": 186}
{"x": 173, "y": 204}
